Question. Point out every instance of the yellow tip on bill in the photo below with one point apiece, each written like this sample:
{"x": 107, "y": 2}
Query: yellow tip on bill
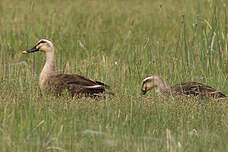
{"x": 25, "y": 52}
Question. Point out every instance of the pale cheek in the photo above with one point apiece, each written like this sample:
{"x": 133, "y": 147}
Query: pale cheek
{"x": 145, "y": 88}
{"x": 43, "y": 49}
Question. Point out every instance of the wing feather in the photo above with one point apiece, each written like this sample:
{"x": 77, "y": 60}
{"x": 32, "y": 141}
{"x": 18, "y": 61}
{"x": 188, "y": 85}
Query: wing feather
{"x": 75, "y": 84}
{"x": 197, "y": 89}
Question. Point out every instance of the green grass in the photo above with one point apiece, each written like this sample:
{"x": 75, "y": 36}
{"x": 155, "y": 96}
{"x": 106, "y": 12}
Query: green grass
{"x": 124, "y": 42}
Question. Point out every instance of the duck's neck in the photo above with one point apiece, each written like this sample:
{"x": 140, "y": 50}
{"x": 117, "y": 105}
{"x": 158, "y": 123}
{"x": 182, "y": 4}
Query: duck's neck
{"x": 49, "y": 68}
{"x": 162, "y": 87}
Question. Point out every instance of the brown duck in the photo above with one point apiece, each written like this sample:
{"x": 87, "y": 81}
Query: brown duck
{"x": 187, "y": 89}
{"x": 75, "y": 84}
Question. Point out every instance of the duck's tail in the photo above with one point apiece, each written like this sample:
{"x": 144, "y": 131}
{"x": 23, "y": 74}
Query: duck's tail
{"x": 101, "y": 83}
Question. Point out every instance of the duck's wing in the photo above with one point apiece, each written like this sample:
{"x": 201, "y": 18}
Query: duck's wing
{"x": 76, "y": 79}
{"x": 197, "y": 89}
{"x": 76, "y": 84}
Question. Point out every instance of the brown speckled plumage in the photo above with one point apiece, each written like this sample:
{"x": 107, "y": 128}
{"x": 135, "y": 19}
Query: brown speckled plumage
{"x": 75, "y": 84}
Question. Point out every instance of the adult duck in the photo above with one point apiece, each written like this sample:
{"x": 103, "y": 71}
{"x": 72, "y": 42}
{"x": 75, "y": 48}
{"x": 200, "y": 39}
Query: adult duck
{"x": 75, "y": 84}
{"x": 187, "y": 89}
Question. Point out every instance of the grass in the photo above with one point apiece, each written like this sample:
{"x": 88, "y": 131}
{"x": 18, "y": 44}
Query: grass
{"x": 118, "y": 42}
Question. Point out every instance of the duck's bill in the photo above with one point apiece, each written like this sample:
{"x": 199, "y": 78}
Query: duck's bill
{"x": 143, "y": 92}
{"x": 34, "y": 49}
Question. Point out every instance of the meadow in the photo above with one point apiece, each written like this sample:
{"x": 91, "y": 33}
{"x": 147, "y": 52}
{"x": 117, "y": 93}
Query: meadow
{"x": 119, "y": 42}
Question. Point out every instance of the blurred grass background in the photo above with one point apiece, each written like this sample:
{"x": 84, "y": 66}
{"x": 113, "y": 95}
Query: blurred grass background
{"x": 118, "y": 42}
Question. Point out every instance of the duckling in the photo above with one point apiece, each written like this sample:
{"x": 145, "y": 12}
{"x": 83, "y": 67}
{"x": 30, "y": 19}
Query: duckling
{"x": 187, "y": 89}
{"x": 75, "y": 84}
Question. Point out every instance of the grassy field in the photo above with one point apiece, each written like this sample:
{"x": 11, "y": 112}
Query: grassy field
{"x": 118, "y": 42}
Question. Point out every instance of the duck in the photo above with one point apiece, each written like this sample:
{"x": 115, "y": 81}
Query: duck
{"x": 74, "y": 84}
{"x": 184, "y": 89}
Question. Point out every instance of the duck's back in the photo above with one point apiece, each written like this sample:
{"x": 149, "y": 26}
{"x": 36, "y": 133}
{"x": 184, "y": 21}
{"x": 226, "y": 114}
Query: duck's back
{"x": 197, "y": 89}
{"x": 75, "y": 84}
